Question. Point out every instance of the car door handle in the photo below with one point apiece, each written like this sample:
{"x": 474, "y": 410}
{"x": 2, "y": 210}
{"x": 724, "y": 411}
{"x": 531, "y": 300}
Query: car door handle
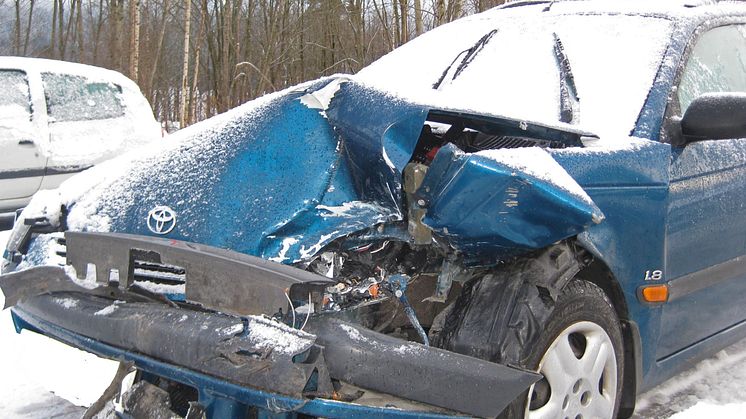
{"x": 26, "y": 142}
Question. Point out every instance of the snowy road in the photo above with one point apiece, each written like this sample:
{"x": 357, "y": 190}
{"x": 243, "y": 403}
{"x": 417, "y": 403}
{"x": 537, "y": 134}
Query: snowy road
{"x": 42, "y": 378}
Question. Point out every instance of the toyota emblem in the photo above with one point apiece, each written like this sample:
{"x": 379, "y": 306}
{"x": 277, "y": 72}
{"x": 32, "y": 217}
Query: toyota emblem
{"x": 161, "y": 219}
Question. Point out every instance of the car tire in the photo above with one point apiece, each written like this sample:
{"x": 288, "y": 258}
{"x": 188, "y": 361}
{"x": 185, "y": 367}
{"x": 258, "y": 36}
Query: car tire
{"x": 579, "y": 353}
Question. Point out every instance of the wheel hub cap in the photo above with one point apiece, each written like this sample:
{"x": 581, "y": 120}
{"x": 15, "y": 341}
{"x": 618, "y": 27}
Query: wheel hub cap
{"x": 580, "y": 375}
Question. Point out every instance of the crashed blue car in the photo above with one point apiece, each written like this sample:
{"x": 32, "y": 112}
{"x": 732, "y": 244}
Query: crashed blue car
{"x": 534, "y": 212}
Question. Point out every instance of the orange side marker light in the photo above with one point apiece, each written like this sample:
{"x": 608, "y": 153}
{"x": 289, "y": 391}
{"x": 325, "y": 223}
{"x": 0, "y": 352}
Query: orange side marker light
{"x": 655, "y": 293}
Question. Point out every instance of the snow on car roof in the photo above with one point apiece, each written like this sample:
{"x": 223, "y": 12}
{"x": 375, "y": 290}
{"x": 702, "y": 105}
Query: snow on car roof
{"x": 670, "y": 8}
{"x": 40, "y": 65}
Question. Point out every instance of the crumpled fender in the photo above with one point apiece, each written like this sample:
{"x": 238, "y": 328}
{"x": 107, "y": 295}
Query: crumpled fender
{"x": 487, "y": 208}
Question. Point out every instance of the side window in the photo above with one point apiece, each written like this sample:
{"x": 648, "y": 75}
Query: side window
{"x": 717, "y": 63}
{"x": 15, "y": 101}
{"x": 76, "y": 98}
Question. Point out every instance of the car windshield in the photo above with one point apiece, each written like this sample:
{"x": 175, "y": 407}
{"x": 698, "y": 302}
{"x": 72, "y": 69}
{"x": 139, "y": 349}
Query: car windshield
{"x": 506, "y": 62}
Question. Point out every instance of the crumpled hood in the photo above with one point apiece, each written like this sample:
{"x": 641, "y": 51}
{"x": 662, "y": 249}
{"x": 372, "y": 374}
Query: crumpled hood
{"x": 278, "y": 178}
{"x": 284, "y": 175}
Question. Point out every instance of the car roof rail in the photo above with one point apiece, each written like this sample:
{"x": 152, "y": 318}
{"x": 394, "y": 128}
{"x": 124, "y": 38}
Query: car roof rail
{"x": 685, "y": 3}
{"x": 519, "y": 3}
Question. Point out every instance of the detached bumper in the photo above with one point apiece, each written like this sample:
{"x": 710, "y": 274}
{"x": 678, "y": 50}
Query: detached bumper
{"x": 257, "y": 362}
{"x": 223, "y": 398}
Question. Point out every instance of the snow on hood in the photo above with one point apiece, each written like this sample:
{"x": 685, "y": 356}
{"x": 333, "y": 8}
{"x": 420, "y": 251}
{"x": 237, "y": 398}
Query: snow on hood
{"x": 236, "y": 181}
{"x": 283, "y": 175}
{"x": 86, "y": 189}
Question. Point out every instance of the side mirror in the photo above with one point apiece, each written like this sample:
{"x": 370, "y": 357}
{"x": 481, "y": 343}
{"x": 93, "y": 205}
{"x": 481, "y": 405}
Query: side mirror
{"x": 714, "y": 116}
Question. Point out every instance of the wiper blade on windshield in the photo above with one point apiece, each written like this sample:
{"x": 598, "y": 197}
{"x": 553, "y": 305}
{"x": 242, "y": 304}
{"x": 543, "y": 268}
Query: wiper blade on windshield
{"x": 569, "y": 99}
{"x": 471, "y": 53}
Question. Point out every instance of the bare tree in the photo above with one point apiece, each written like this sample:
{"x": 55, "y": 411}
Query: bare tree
{"x": 28, "y": 27}
{"x": 134, "y": 56}
{"x": 230, "y": 51}
{"x": 17, "y": 28}
{"x": 185, "y": 63}
{"x": 418, "y": 17}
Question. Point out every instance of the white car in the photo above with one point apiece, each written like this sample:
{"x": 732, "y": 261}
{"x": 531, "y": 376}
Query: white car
{"x": 59, "y": 118}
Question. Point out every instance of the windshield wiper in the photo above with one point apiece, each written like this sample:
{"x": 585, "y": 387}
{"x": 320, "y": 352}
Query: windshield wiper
{"x": 471, "y": 53}
{"x": 569, "y": 99}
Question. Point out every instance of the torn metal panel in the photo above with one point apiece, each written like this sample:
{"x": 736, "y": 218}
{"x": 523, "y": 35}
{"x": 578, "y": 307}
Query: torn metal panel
{"x": 487, "y": 209}
{"x": 379, "y": 143}
{"x": 364, "y": 188}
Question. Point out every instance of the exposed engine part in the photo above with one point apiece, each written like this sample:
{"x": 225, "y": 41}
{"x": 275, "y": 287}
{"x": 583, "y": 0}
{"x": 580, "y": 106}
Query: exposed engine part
{"x": 470, "y": 140}
{"x": 450, "y": 271}
{"x": 429, "y": 142}
{"x": 369, "y": 290}
{"x": 360, "y": 269}
{"x": 398, "y": 285}
{"x": 414, "y": 173}
{"x": 342, "y": 295}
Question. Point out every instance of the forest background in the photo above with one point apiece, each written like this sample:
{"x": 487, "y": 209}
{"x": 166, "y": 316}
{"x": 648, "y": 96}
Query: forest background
{"x": 195, "y": 58}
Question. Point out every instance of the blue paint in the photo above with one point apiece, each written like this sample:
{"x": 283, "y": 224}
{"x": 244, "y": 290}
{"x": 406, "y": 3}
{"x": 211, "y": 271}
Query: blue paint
{"x": 282, "y": 172}
{"x": 489, "y": 210}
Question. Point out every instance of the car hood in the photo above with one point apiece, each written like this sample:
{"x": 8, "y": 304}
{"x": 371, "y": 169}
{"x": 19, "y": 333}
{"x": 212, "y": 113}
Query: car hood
{"x": 284, "y": 175}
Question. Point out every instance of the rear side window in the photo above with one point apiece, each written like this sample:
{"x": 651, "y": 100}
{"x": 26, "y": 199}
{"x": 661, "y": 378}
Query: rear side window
{"x": 76, "y": 98}
{"x": 15, "y": 103}
{"x": 717, "y": 64}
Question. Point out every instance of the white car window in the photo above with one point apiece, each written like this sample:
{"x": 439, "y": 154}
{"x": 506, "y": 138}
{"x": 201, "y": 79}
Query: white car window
{"x": 717, "y": 64}
{"x": 14, "y": 96}
{"x": 76, "y": 98}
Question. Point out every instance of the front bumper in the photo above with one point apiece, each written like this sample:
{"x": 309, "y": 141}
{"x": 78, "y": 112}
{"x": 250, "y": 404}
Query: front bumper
{"x": 256, "y": 362}
{"x": 217, "y": 394}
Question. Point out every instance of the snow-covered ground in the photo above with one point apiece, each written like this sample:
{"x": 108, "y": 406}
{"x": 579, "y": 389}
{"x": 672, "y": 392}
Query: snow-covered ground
{"x": 42, "y": 378}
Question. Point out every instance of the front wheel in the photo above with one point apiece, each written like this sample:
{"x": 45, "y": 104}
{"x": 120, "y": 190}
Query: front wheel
{"x": 579, "y": 353}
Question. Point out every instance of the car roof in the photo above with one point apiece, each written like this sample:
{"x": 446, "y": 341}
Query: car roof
{"x": 39, "y": 65}
{"x": 696, "y": 10}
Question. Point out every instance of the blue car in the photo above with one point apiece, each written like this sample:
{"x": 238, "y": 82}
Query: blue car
{"x": 534, "y": 212}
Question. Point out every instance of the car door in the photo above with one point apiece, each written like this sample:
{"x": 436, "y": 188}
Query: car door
{"x": 21, "y": 159}
{"x": 706, "y": 228}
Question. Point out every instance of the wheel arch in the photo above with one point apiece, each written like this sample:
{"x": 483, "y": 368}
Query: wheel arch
{"x": 598, "y": 272}
{"x": 497, "y": 315}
